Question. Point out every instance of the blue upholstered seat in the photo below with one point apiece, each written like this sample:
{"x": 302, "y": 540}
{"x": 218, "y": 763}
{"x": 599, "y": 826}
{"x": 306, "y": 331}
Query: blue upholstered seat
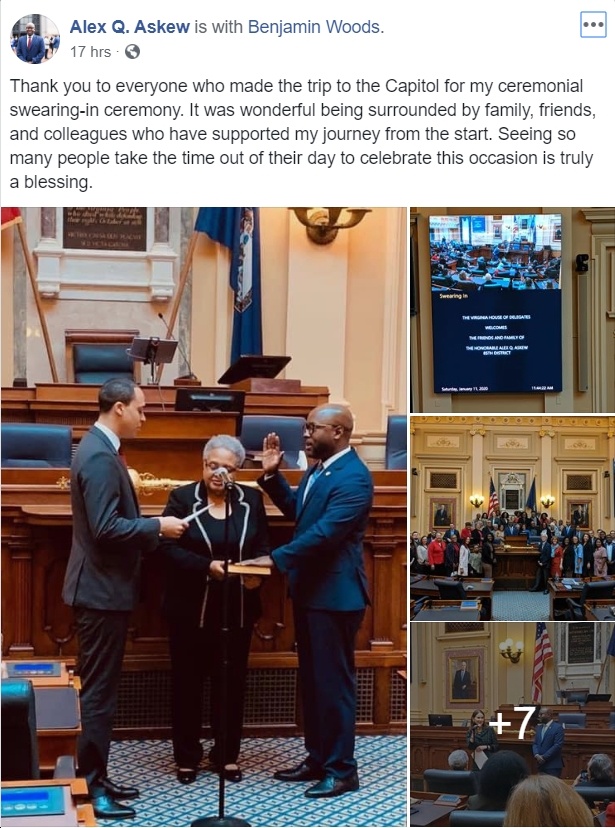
{"x": 396, "y": 447}
{"x": 36, "y": 445}
{"x": 289, "y": 429}
{"x": 97, "y": 363}
{"x": 19, "y": 741}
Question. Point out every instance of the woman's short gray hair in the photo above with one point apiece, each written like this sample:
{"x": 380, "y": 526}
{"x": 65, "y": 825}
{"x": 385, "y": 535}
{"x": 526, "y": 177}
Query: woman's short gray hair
{"x": 225, "y": 441}
{"x": 600, "y": 767}
{"x": 458, "y": 760}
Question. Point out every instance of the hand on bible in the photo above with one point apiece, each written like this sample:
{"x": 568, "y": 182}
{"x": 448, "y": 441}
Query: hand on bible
{"x": 263, "y": 560}
{"x": 272, "y": 455}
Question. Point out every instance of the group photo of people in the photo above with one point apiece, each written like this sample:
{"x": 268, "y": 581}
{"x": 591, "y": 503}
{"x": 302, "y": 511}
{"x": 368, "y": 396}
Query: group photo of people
{"x": 515, "y": 515}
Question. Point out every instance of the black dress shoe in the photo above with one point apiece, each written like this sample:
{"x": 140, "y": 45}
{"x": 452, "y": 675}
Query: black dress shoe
{"x": 302, "y": 773}
{"x": 119, "y": 791}
{"x": 333, "y": 786}
{"x": 105, "y": 807}
{"x": 186, "y": 776}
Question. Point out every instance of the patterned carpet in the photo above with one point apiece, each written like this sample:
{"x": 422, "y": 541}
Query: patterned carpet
{"x": 259, "y": 799}
{"x": 520, "y": 605}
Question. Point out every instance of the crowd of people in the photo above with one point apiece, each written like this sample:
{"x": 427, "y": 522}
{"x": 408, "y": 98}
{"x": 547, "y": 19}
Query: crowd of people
{"x": 564, "y": 550}
{"x": 509, "y": 265}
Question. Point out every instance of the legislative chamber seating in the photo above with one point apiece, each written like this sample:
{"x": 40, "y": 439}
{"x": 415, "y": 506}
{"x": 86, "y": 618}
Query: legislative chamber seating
{"x": 462, "y": 783}
{"x": 290, "y": 430}
{"x": 396, "y": 445}
{"x": 20, "y": 752}
{"x": 450, "y": 590}
{"x": 571, "y": 720}
{"x": 19, "y": 741}
{"x": 592, "y": 591}
{"x": 36, "y": 445}
{"x": 476, "y": 819}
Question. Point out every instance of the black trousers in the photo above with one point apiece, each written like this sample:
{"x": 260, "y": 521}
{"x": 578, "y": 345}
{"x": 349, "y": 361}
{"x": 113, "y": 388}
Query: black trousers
{"x": 102, "y": 638}
{"x": 542, "y": 577}
{"x": 195, "y": 654}
{"x": 325, "y": 647}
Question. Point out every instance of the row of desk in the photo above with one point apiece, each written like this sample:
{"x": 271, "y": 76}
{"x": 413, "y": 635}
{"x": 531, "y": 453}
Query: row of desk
{"x": 481, "y": 589}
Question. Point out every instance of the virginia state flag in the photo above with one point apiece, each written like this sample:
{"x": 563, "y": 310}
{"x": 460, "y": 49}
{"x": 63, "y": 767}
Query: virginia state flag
{"x": 238, "y": 229}
{"x": 530, "y": 503}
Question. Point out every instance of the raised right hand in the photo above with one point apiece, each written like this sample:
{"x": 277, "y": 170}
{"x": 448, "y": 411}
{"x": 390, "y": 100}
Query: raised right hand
{"x": 272, "y": 454}
{"x": 172, "y": 527}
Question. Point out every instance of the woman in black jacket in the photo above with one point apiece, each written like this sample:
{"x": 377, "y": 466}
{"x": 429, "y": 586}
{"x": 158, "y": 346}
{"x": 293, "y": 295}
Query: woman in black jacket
{"x": 488, "y": 556}
{"x": 193, "y": 605}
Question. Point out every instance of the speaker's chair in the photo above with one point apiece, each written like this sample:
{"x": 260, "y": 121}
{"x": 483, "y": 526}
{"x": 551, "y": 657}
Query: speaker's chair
{"x": 95, "y": 356}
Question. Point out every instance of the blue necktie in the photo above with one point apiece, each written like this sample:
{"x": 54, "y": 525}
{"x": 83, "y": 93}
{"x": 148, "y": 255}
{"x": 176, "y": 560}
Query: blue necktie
{"x": 317, "y": 471}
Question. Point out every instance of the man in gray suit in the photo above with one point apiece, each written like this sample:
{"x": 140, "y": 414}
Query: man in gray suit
{"x": 102, "y": 578}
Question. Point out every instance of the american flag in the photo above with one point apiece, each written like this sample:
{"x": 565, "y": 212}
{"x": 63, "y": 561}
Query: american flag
{"x": 542, "y": 651}
{"x": 494, "y": 503}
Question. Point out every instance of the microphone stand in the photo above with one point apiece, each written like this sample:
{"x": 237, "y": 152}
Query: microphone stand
{"x": 222, "y": 819}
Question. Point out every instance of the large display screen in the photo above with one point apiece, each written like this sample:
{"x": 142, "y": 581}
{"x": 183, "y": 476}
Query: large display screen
{"x": 496, "y": 303}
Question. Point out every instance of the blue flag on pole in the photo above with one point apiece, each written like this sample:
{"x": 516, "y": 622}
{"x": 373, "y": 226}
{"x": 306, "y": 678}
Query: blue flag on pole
{"x": 238, "y": 229}
{"x": 530, "y": 503}
{"x": 611, "y": 648}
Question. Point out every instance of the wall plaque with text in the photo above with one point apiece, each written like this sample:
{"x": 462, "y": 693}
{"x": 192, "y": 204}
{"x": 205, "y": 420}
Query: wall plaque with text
{"x": 581, "y": 643}
{"x": 105, "y": 228}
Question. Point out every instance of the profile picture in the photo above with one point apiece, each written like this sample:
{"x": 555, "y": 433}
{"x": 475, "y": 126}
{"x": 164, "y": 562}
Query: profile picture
{"x": 35, "y": 39}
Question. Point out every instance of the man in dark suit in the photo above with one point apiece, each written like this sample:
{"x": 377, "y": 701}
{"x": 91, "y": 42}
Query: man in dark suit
{"x": 31, "y": 47}
{"x": 328, "y": 587}
{"x": 548, "y": 744}
{"x": 102, "y": 578}
{"x": 544, "y": 563}
{"x": 441, "y": 517}
{"x": 462, "y": 682}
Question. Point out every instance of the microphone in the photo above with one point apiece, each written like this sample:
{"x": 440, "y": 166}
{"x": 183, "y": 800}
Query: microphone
{"x": 190, "y": 375}
{"x": 226, "y": 477}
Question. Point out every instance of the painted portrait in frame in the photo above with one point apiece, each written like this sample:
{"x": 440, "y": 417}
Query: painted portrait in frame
{"x": 464, "y": 678}
{"x": 579, "y": 513}
{"x": 443, "y": 512}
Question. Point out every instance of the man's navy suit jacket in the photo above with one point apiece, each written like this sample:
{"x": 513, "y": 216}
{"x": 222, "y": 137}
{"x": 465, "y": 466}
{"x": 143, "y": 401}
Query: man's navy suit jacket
{"x": 550, "y": 748}
{"x": 35, "y": 53}
{"x": 324, "y": 560}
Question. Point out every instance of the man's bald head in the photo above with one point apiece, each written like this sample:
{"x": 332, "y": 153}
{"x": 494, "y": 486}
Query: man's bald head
{"x": 335, "y": 414}
{"x": 328, "y": 430}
